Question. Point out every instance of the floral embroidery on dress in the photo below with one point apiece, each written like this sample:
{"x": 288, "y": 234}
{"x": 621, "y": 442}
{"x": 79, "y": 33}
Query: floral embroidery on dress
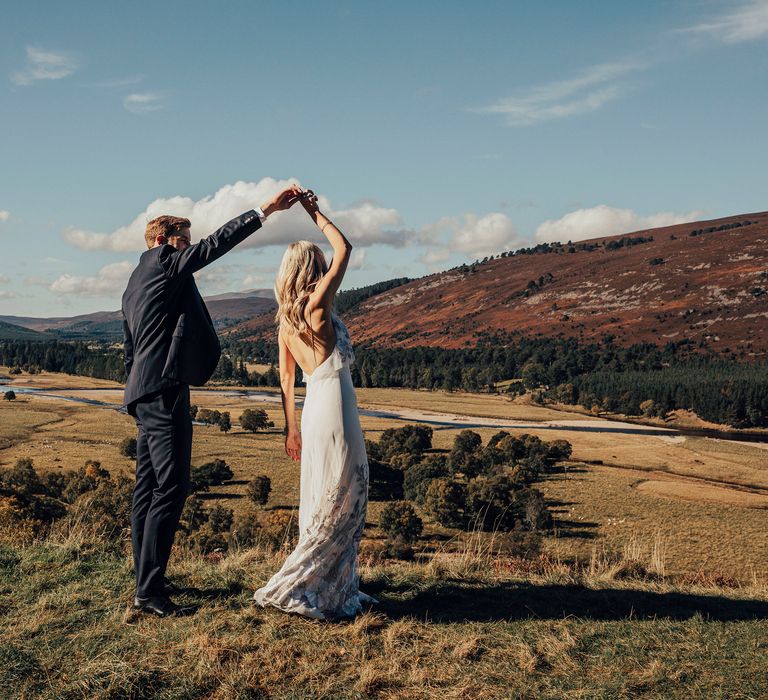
{"x": 343, "y": 343}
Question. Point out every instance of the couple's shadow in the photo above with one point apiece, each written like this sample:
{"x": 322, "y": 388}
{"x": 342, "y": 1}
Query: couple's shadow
{"x": 468, "y": 601}
{"x": 459, "y": 601}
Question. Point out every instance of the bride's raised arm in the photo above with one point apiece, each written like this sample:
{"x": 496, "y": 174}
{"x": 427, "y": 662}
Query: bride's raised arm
{"x": 326, "y": 288}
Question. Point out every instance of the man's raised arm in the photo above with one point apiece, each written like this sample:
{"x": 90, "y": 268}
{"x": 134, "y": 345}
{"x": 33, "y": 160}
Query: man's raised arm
{"x": 227, "y": 237}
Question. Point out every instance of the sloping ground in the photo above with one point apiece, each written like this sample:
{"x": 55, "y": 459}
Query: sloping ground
{"x": 710, "y": 286}
{"x": 10, "y": 331}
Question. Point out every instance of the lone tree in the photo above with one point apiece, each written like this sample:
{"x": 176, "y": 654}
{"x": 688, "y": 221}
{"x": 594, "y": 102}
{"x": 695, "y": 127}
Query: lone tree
{"x": 258, "y": 489}
{"x": 254, "y": 419}
{"x": 128, "y": 448}
{"x": 225, "y": 422}
{"x": 10, "y": 395}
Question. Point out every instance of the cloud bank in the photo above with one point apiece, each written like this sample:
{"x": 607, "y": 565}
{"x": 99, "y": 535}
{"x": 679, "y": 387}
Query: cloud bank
{"x": 364, "y": 224}
{"x": 4, "y": 215}
{"x": 603, "y": 220}
{"x": 110, "y": 280}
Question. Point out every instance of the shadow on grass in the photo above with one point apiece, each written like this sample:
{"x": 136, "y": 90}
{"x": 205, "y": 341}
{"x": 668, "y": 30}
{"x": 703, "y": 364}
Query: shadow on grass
{"x": 452, "y": 602}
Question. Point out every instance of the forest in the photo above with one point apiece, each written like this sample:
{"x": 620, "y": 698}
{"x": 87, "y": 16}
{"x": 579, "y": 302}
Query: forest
{"x": 643, "y": 379}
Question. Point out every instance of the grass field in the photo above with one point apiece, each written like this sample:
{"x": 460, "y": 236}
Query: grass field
{"x": 581, "y": 621}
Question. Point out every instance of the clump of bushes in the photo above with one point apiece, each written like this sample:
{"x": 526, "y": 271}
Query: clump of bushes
{"x": 254, "y": 419}
{"x": 487, "y": 487}
{"x": 210, "y": 474}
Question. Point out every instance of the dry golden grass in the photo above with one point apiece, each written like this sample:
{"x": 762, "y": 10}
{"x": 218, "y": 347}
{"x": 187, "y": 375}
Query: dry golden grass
{"x": 703, "y": 509}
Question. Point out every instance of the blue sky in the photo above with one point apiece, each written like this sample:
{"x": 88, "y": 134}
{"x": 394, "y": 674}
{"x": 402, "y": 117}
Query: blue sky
{"x": 435, "y": 132}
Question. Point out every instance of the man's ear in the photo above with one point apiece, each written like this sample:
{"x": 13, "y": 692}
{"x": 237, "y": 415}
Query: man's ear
{"x": 161, "y": 239}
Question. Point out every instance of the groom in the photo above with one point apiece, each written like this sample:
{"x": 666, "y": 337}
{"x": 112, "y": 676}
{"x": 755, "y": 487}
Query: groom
{"x": 170, "y": 343}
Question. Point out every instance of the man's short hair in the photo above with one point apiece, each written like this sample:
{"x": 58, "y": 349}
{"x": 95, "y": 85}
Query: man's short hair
{"x": 164, "y": 226}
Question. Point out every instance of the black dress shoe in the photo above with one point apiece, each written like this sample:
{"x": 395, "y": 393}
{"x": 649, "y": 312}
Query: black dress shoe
{"x": 162, "y": 606}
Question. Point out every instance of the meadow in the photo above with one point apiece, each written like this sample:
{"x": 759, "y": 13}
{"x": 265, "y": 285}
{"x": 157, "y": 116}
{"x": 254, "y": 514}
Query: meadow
{"x": 653, "y": 582}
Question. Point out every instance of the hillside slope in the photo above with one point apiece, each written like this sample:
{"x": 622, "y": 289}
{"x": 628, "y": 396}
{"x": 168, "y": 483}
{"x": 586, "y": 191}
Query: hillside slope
{"x": 710, "y": 287}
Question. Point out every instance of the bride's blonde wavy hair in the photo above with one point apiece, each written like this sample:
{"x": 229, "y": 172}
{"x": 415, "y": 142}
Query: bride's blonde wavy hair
{"x": 303, "y": 266}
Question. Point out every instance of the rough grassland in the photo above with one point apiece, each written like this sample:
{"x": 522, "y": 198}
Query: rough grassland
{"x": 441, "y": 631}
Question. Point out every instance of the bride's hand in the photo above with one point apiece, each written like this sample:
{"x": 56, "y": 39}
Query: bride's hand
{"x": 308, "y": 200}
{"x": 293, "y": 445}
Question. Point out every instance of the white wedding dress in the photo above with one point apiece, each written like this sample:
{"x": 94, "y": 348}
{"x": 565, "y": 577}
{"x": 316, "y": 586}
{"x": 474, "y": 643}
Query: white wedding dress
{"x": 320, "y": 577}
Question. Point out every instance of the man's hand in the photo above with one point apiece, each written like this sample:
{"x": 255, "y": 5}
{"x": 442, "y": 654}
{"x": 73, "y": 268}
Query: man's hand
{"x": 282, "y": 200}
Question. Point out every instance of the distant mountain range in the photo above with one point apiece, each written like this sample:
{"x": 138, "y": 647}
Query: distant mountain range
{"x": 226, "y": 310}
{"x": 705, "y": 281}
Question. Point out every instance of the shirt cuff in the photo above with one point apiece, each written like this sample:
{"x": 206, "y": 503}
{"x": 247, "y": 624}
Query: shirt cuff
{"x": 260, "y": 213}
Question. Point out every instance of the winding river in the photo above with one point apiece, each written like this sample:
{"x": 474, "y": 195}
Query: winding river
{"x": 594, "y": 425}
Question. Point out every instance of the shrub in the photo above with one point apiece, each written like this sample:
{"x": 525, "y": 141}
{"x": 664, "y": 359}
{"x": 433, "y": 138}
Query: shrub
{"x": 193, "y": 411}
{"x": 10, "y": 395}
{"x": 445, "y": 501}
{"x": 417, "y": 478}
{"x": 208, "y": 416}
{"x": 210, "y": 474}
{"x": 194, "y": 515}
{"x": 500, "y": 503}
{"x": 403, "y": 460}
{"x": 128, "y": 447}
{"x": 258, "y": 489}
{"x": 281, "y": 530}
{"x": 245, "y": 531}
{"x": 106, "y": 510}
{"x": 253, "y": 419}
{"x": 22, "y": 477}
{"x": 498, "y": 437}
{"x": 399, "y": 519}
{"x": 410, "y": 439}
{"x": 468, "y": 456}
{"x": 225, "y": 422}
{"x": 559, "y": 450}
{"x": 220, "y": 519}
{"x": 385, "y": 483}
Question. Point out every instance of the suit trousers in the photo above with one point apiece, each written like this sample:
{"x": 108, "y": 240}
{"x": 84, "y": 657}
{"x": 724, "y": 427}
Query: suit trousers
{"x": 163, "y": 454}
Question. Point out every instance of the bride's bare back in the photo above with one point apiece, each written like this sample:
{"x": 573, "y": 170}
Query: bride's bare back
{"x": 321, "y": 331}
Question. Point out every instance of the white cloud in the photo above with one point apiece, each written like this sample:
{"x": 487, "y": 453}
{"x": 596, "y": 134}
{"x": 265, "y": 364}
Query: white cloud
{"x": 110, "y": 280}
{"x": 474, "y": 236}
{"x": 357, "y": 259}
{"x": 363, "y": 224}
{"x": 584, "y": 93}
{"x": 746, "y": 23}
{"x": 45, "y": 65}
{"x": 4, "y": 279}
{"x": 485, "y": 235}
{"x": 37, "y": 281}
{"x": 143, "y": 102}
{"x": 603, "y": 220}
{"x": 7, "y": 295}
{"x": 4, "y": 215}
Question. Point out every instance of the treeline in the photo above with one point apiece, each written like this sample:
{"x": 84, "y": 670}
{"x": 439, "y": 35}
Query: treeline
{"x": 679, "y": 375}
{"x": 346, "y": 299}
{"x": 721, "y": 393}
{"x": 70, "y": 357}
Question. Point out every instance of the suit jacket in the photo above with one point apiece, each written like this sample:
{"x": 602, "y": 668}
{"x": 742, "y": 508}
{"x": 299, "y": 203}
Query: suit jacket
{"x": 168, "y": 334}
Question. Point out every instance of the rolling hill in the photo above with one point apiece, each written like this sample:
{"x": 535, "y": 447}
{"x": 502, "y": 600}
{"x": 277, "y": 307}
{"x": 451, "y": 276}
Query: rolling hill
{"x": 226, "y": 310}
{"x": 706, "y": 281}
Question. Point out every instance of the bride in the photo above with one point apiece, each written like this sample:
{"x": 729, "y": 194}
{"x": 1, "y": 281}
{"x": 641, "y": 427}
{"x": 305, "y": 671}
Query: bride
{"x": 320, "y": 579}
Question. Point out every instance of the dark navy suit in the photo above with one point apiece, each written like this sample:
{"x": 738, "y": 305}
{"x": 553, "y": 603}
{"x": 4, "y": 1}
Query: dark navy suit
{"x": 170, "y": 343}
